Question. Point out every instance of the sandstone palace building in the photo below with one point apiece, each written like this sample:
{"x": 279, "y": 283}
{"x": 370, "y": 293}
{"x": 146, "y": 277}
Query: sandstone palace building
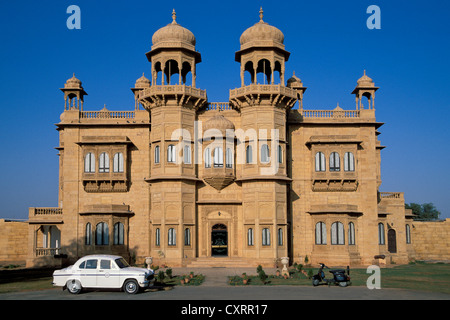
{"x": 191, "y": 182}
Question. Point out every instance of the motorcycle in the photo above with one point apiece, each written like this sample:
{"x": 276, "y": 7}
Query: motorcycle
{"x": 340, "y": 277}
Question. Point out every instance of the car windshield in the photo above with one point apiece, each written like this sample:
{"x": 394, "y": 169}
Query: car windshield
{"x": 121, "y": 263}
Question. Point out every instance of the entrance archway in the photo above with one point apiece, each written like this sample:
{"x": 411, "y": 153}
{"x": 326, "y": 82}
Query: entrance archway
{"x": 219, "y": 240}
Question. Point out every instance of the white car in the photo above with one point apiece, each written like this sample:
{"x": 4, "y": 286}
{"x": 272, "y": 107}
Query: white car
{"x": 103, "y": 271}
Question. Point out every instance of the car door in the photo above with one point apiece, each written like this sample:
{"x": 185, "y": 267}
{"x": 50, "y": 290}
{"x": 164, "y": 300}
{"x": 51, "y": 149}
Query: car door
{"x": 88, "y": 276}
{"x": 108, "y": 274}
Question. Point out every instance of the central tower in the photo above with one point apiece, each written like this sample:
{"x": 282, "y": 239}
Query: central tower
{"x": 173, "y": 101}
{"x": 264, "y": 101}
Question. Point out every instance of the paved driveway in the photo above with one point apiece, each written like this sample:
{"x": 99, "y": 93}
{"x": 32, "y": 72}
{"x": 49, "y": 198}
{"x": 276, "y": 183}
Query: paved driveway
{"x": 192, "y": 293}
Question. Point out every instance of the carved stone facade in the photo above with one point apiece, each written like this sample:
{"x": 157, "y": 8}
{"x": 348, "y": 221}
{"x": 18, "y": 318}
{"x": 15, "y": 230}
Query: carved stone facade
{"x": 245, "y": 182}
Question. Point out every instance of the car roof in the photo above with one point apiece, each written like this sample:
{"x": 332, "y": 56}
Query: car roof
{"x": 98, "y": 256}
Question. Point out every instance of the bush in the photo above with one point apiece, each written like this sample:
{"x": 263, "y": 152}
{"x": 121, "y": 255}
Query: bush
{"x": 161, "y": 276}
{"x": 262, "y": 276}
{"x": 169, "y": 273}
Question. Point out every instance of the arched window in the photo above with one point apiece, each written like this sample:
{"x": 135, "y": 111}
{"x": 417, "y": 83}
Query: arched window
{"x": 321, "y": 233}
{"x": 265, "y": 153}
{"x": 207, "y": 158}
{"x": 187, "y": 237}
{"x": 172, "y": 237}
{"x": 337, "y": 233}
{"x": 320, "y": 161}
{"x": 103, "y": 165}
{"x": 250, "y": 237}
{"x": 157, "y": 237}
{"x": 102, "y": 234}
{"x": 218, "y": 157}
{"x": 349, "y": 162}
{"x": 171, "y": 153}
{"x": 280, "y": 154}
{"x": 118, "y": 162}
{"x": 229, "y": 158}
{"x": 351, "y": 233}
{"x": 157, "y": 154}
{"x": 118, "y": 233}
{"x": 381, "y": 233}
{"x": 280, "y": 236}
{"x": 88, "y": 235}
{"x": 334, "y": 162}
{"x": 408, "y": 234}
{"x": 266, "y": 237}
{"x": 89, "y": 163}
{"x": 249, "y": 154}
{"x": 187, "y": 154}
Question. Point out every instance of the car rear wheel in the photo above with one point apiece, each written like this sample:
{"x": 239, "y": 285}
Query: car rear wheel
{"x": 131, "y": 286}
{"x": 73, "y": 286}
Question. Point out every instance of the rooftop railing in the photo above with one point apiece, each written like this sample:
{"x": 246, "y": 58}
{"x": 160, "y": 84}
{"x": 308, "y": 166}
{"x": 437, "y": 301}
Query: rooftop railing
{"x": 106, "y": 114}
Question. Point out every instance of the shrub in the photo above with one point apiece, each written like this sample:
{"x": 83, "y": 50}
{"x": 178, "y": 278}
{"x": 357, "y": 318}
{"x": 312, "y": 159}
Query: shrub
{"x": 262, "y": 276}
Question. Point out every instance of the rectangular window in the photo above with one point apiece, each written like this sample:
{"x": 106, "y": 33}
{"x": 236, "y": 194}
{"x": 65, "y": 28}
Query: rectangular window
{"x": 266, "y": 237}
{"x": 105, "y": 264}
{"x": 91, "y": 264}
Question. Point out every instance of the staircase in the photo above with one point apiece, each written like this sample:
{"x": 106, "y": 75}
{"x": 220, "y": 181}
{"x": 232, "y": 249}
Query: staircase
{"x": 220, "y": 262}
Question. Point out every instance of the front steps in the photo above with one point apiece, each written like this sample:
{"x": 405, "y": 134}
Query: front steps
{"x": 220, "y": 262}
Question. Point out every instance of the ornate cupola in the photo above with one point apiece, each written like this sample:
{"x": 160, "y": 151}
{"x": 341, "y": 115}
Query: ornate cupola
{"x": 365, "y": 88}
{"x": 141, "y": 84}
{"x": 74, "y": 92}
{"x": 262, "y": 54}
{"x": 173, "y": 52}
{"x": 295, "y": 83}
{"x": 262, "y": 51}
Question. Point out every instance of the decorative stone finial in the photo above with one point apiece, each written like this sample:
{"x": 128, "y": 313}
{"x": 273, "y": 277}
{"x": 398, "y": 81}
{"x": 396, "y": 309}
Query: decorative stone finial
{"x": 174, "y": 16}
{"x": 261, "y": 14}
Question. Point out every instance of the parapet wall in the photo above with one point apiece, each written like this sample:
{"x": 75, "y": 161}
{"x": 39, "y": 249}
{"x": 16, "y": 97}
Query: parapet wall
{"x": 431, "y": 240}
{"x": 13, "y": 242}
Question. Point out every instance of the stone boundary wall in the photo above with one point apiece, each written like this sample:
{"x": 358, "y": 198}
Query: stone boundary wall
{"x": 431, "y": 240}
{"x": 13, "y": 242}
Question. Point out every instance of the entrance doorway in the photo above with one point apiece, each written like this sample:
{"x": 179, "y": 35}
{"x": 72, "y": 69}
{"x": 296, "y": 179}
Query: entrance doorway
{"x": 219, "y": 240}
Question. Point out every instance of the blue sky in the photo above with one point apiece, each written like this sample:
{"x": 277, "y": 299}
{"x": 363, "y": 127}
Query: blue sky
{"x": 330, "y": 45}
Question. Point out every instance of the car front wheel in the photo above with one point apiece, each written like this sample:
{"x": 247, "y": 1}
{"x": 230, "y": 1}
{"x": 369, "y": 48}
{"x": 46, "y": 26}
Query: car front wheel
{"x": 73, "y": 286}
{"x": 131, "y": 286}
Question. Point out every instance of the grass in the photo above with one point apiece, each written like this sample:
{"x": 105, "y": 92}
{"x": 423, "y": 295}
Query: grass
{"x": 432, "y": 277}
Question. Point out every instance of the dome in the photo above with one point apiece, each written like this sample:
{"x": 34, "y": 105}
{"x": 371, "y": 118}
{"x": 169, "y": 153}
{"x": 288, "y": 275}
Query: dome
{"x": 262, "y": 31}
{"x": 73, "y": 82}
{"x": 365, "y": 81}
{"x": 294, "y": 80}
{"x": 173, "y": 32}
{"x": 142, "y": 82}
{"x": 218, "y": 122}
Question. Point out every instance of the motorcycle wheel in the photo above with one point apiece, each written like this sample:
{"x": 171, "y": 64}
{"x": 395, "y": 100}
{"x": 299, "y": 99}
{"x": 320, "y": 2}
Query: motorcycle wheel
{"x": 343, "y": 284}
{"x": 315, "y": 282}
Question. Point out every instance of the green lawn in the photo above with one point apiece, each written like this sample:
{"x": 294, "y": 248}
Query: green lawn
{"x": 434, "y": 277}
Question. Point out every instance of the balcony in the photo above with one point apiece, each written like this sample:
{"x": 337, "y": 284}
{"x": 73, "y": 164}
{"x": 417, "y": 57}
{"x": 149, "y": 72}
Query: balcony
{"x": 46, "y": 215}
